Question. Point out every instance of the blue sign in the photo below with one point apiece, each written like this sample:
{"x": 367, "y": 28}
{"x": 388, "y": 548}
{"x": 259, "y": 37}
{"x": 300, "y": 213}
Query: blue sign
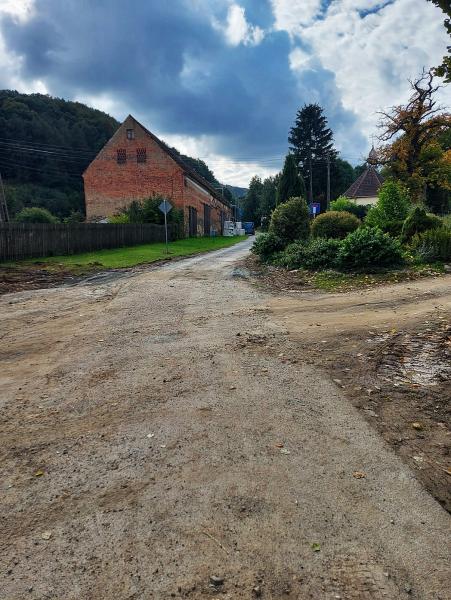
{"x": 315, "y": 208}
{"x": 165, "y": 207}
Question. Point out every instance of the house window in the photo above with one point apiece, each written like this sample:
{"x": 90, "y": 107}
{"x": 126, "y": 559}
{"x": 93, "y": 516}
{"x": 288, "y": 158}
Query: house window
{"x": 121, "y": 156}
{"x": 130, "y": 134}
{"x": 141, "y": 155}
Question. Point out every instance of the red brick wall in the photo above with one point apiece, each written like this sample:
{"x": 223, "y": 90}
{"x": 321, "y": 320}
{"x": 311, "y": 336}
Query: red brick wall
{"x": 110, "y": 186}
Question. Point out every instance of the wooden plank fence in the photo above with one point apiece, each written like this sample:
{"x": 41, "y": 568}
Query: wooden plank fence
{"x": 33, "y": 240}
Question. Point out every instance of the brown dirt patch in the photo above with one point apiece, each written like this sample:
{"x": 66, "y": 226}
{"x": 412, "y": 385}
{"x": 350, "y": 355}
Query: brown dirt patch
{"x": 389, "y": 349}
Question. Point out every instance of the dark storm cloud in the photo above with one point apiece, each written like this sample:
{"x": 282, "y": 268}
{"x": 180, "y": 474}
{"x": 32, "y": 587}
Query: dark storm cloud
{"x": 166, "y": 60}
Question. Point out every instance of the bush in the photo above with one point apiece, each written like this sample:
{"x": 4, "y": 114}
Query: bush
{"x": 315, "y": 255}
{"x": 293, "y": 256}
{"x": 334, "y": 224}
{"x": 322, "y": 254}
{"x": 432, "y": 245}
{"x": 417, "y": 222}
{"x": 344, "y": 204}
{"x": 391, "y": 208}
{"x": 290, "y": 221}
{"x": 147, "y": 211}
{"x": 35, "y": 215}
{"x": 267, "y": 245}
{"x": 369, "y": 248}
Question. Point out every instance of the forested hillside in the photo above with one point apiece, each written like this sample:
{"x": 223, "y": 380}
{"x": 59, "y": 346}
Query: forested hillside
{"x": 45, "y": 145}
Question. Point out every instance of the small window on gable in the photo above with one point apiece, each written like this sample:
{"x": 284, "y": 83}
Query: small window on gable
{"x": 141, "y": 155}
{"x": 130, "y": 134}
{"x": 121, "y": 156}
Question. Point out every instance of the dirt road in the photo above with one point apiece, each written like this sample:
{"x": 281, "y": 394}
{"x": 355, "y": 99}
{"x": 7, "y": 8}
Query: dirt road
{"x": 151, "y": 440}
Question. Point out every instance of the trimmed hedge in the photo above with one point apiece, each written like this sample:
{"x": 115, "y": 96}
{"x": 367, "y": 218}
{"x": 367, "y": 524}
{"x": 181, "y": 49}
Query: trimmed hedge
{"x": 334, "y": 224}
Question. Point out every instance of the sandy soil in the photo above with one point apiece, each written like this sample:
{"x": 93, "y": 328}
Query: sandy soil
{"x": 156, "y": 430}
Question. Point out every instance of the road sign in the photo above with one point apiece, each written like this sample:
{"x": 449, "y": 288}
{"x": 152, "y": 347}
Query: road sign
{"x": 165, "y": 207}
{"x": 315, "y": 207}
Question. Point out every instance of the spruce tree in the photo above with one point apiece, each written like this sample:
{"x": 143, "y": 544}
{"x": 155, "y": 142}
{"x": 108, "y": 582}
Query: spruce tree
{"x": 311, "y": 142}
{"x": 291, "y": 184}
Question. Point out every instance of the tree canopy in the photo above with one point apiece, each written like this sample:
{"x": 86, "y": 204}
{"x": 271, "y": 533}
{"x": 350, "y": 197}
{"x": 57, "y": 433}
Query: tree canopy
{"x": 311, "y": 141}
{"x": 291, "y": 183}
{"x": 444, "y": 70}
{"x": 418, "y": 137}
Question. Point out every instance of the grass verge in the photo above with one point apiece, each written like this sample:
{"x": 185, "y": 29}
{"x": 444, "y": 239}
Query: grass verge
{"x": 130, "y": 256}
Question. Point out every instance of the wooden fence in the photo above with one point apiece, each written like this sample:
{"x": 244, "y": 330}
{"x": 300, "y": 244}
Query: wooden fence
{"x": 20, "y": 240}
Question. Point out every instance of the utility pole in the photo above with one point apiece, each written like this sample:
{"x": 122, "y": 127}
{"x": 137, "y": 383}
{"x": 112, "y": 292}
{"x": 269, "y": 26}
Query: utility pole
{"x": 310, "y": 177}
{"x": 328, "y": 182}
{"x": 4, "y": 216}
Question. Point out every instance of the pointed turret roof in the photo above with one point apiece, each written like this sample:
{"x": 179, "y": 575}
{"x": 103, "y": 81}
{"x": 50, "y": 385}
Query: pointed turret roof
{"x": 368, "y": 183}
{"x": 365, "y": 186}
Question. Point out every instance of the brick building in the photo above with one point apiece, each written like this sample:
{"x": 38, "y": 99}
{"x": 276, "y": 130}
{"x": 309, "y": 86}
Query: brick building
{"x": 134, "y": 164}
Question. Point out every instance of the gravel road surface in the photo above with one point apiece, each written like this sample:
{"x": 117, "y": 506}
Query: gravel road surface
{"x": 145, "y": 450}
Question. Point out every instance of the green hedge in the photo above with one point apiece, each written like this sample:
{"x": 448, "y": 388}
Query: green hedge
{"x": 334, "y": 224}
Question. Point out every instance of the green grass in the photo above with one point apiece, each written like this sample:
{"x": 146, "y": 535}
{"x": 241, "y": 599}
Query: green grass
{"x": 129, "y": 256}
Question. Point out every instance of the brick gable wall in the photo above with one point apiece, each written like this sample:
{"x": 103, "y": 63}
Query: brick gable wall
{"x": 110, "y": 186}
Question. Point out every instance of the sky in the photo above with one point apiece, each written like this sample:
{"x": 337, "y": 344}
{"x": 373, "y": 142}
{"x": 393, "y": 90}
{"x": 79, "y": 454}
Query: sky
{"x": 222, "y": 79}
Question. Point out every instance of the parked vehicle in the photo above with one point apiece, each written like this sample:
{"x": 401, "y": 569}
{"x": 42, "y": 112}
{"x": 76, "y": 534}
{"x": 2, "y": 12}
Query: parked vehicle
{"x": 249, "y": 227}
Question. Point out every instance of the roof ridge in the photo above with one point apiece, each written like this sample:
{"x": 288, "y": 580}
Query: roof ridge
{"x": 177, "y": 158}
{"x": 370, "y": 178}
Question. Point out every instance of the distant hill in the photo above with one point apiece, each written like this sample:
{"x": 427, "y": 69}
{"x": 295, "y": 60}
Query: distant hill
{"x": 45, "y": 145}
{"x": 237, "y": 192}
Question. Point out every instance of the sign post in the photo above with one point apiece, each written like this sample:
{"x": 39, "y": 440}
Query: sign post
{"x": 165, "y": 207}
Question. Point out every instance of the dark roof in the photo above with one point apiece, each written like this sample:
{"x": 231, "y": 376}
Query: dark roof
{"x": 187, "y": 169}
{"x": 367, "y": 185}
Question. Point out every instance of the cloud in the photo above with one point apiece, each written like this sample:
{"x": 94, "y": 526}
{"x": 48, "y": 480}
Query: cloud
{"x": 373, "y": 53}
{"x": 293, "y": 15}
{"x": 224, "y": 78}
{"x": 237, "y": 30}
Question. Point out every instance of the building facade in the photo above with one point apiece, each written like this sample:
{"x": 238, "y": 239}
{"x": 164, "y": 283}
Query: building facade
{"x": 134, "y": 165}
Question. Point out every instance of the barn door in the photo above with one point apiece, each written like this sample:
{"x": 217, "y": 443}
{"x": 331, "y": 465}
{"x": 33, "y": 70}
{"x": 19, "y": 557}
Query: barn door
{"x": 192, "y": 222}
{"x": 207, "y": 219}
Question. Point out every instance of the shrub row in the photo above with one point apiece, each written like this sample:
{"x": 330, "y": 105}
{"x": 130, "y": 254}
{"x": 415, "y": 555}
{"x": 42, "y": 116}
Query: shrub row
{"x": 365, "y": 248}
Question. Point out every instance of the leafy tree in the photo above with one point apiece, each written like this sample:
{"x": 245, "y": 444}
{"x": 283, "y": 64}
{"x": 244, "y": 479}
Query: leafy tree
{"x": 444, "y": 70}
{"x": 35, "y": 215}
{"x": 291, "y": 183}
{"x": 414, "y": 153}
{"x": 252, "y": 200}
{"x": 391, "y": 209}
{"x": 290, "y": 220}
{"x": 311, "y": 141}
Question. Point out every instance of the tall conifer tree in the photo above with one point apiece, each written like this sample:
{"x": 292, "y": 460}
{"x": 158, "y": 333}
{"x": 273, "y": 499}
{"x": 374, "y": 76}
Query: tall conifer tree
{"x": 311, "y": 141}
{"x": 291, "y": 183}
